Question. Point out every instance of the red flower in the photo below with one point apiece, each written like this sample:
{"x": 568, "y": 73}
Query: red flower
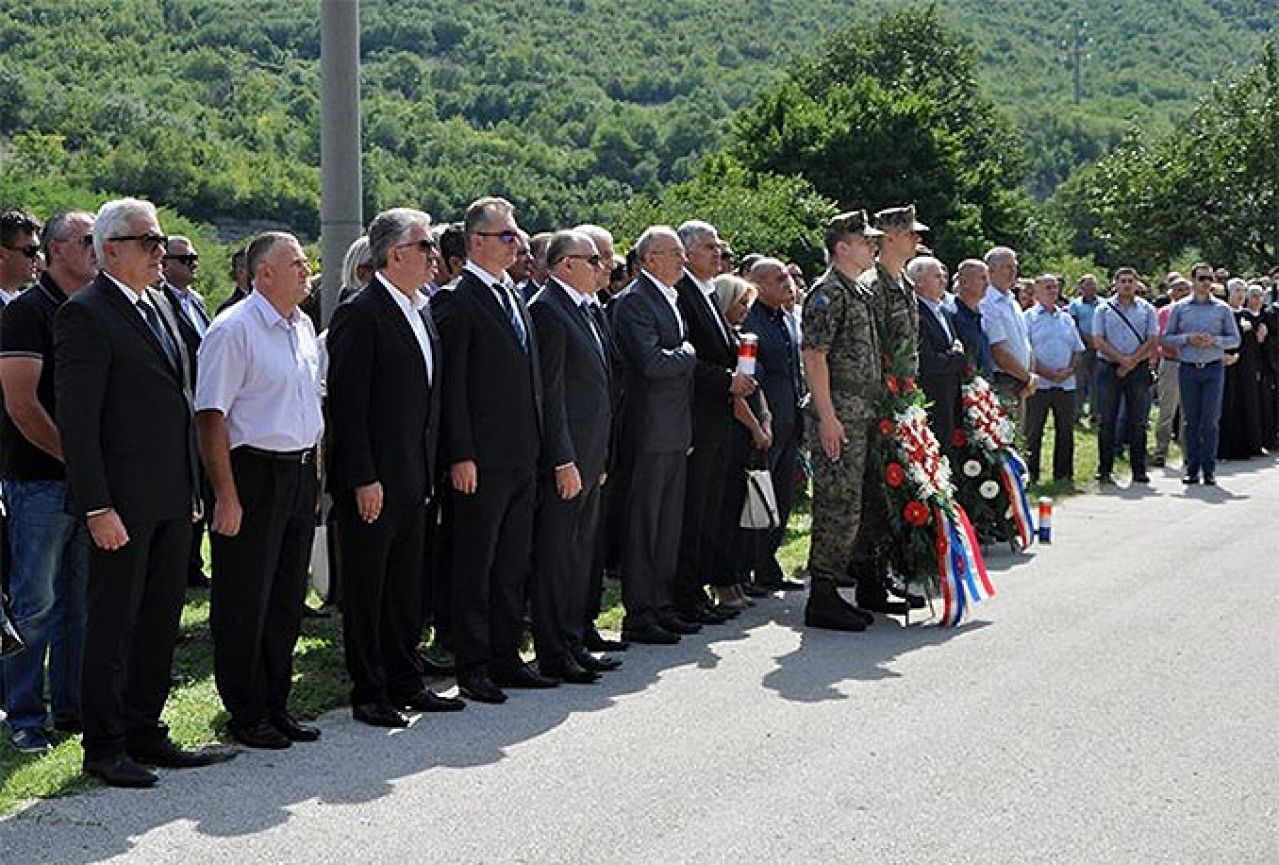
{"x": 959, "y": 439}
{"x": 895, "y": 475}
{"x": 909, "y": 384}
{"x": 915, "y": 514}
{"x": 886, "y": 428}
{"x": 891, "y": 383}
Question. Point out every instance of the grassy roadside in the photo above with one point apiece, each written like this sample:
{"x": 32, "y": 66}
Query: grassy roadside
{"x": 195, "y": 713}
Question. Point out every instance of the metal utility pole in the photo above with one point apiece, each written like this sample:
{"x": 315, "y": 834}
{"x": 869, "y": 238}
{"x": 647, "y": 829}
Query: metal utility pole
{"x": 1077, "y": 40}
{"x": 341, "y": 187}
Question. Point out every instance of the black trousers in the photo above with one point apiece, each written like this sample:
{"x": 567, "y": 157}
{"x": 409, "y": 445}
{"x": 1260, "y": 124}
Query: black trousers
{"x": 492, "y": 548}
{"x": 133, "y": 612}
{"x": 564, "y": 551}
{"x": 384, "y": 580}
{"x": 653, "y": 519}
{"x": 1062, "y": 404}
{"x": 195, "y": 565}
{"x": 437, "y": 604}
{"x": 708, "y": 468}
{"x": 259, "y": 584}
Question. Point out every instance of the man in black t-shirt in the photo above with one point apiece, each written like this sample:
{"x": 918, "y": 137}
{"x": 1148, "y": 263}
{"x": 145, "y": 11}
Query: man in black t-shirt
{"x": 49, "y": 548}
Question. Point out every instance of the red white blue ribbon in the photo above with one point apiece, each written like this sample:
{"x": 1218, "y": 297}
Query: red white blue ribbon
{"x": 961, "y": 570}
{"x": 1011, "y": 472}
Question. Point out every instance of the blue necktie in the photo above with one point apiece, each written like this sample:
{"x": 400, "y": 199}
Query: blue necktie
{"x": 166, "y": 341}
{"x": 517, "y": 324}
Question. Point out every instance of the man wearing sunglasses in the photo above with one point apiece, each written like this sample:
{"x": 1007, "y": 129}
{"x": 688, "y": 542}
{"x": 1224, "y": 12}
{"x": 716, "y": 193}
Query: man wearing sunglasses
{"x": 124, "y": 412}
{"x": 492, "y": 429}
{"x": 19, "y": 247}
{"x": 50, "y": 547}
{"x": 181, "y": 266}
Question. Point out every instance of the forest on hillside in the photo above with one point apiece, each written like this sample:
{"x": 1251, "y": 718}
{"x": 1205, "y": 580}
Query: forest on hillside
{"x": 569, "y": 107}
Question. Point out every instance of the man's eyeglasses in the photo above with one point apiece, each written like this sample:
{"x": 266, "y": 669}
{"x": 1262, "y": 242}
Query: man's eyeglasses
{"x": 507, "y": 236}
{"x": 426, "y": 244}
{"x": 1204, "y": 277}
{"x": 190, "y": 259}
{"x": 31, "y": 250}
{"x": 592, "y": 260}
{"x": 86, "y": 241}
{"x": 149, "y": 242}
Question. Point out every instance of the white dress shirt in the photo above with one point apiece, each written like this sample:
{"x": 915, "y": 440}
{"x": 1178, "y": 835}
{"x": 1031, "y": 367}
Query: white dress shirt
{"x": 708, "y": 292}
{"x": 262, "y": 372}
{"x": 672, "y": 298}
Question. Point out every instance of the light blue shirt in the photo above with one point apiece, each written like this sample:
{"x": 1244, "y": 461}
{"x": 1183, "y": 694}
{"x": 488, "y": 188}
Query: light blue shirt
{"x": 1055, "y": 341}
{"x": 1082, "y": 312}
{"x": 1213, "y": 317}
{"x": 1109, "y": 325}
{"x": 1003, "y": 322}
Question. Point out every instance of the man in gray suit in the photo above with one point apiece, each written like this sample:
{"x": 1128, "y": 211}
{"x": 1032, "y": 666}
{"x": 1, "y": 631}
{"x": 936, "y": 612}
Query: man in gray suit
{"x": 657, "y": 431}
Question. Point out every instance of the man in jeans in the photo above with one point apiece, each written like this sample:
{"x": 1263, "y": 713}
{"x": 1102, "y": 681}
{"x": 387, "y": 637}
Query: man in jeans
{"x": 1125, "y": 332}
{"x": 1167, "y": 391}
{"x": 1200, "y": 330}
{"x": 1082, "y": 309}
{"x": 49, "y": 547}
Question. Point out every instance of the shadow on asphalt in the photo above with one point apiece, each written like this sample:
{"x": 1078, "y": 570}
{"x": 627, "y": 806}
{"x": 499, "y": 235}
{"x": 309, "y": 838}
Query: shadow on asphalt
{"x": 351, "y": 764}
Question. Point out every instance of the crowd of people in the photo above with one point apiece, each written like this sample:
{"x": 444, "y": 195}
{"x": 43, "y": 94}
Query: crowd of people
{"x": 490, "y": 424}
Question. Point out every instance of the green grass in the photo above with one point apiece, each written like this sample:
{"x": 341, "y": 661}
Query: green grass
{"x": 195, "y": 714}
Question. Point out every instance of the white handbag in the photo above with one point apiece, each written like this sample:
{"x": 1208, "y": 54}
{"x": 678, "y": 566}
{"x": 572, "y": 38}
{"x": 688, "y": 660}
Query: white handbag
{"x": 759, "y": 511}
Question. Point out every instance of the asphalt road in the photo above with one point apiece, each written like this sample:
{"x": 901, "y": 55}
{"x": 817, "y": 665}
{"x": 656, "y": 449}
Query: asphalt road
{"x": 1117, "y": 701}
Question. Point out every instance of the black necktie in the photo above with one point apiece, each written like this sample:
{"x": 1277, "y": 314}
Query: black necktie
{"x": 516, "y": 323}
{"x": 166, "y": 341}
{"x": 588, "y": 316}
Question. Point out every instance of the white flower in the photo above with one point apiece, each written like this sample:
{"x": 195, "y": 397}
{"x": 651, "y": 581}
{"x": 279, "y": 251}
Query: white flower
{"x": 972, "y": 468}
{"x": 988, "y": 490}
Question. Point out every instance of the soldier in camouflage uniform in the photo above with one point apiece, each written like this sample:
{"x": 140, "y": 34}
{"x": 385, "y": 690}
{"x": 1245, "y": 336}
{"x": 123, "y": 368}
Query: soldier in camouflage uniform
{"x": 841, "y": 361}
{"x": 897, "y": 319}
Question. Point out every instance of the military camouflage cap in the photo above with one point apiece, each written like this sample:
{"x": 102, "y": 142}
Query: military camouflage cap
{"x": 852, "y": 222}
{"x": 899, "y": 219}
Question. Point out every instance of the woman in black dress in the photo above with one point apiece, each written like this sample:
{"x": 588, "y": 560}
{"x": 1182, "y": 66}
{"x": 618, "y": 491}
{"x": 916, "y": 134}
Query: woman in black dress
{"x": 1241, "y": 401}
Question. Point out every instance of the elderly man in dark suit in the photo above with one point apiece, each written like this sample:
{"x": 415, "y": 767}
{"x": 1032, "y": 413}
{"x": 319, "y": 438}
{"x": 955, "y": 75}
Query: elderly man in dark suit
{"x": 385, "y": 373}
{"x": 577, "y": 380}
{"x": 492, "y": 436}
{"x": 657, "y": 431}
{"x": 124, "y": 411}
{"x": 715, "y": 385}
{"x": 941, "y": 353}
{"x": 780, "y": 372}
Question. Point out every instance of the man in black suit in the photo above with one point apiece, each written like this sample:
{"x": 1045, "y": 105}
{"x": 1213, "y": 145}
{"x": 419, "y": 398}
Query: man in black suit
{"x": 492, "y": 437}
{"x": 576, "y": 378}
{"x": 181, "y": 266}
{"x": 385, "y": 371}
{"x": 124, "y": 413}
{"x": 941, "y": 354}
{"x": 780, "y": 372}
{"x": 657, "y": 431}
{"x": 715, "y": 385}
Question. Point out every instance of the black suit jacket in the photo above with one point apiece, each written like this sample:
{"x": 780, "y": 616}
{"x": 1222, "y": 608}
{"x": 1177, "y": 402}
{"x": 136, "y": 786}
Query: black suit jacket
{"x": 493, "y": 389}
{"x": 237, "y": 294}
{"x": 657, "y": 367}
{"x": 716, "y": 360}
{"x": 941, "y": 368}
{"x": 384, "y": 412}
{"x": 190, "y": 336}
{"x": 577, "y": 379}
{"x": 124, "y": 410}
{"x": 777, "y": 371}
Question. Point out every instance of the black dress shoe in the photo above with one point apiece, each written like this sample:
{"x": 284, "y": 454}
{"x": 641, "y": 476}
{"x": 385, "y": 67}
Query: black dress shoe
{"x": 676, "y": 625}
{"x": 1142, "y": 478}
{"x": 523, "y": 677}
{"x": 1105, "y": 479}
{"x": 481, "y": 689}
{"x": 379, "y": 715}
{"x": 294, "y": 730}
{"x": 1189, "y": 479}
{"x": 701, "y": 616}
{"x": 570, "y": 671}
{"x": 597, "y": 663}
{"x": 596, "y": 643}
{"x": 651, "y": 635}
{"x": 120, "y": 771}
{"x": 1210, "y": 480}
{"x": 260, "y": 734}
{"x": 428, "y": 701}
{"x": 755, "y": 590}
{"x": 914, "y": 601}
{"x": 883, "y": 605}
{"x": 164, "y": 752}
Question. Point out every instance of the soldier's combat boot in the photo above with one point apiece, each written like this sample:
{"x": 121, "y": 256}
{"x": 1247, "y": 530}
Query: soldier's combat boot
{"x": 826, "y": 609}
